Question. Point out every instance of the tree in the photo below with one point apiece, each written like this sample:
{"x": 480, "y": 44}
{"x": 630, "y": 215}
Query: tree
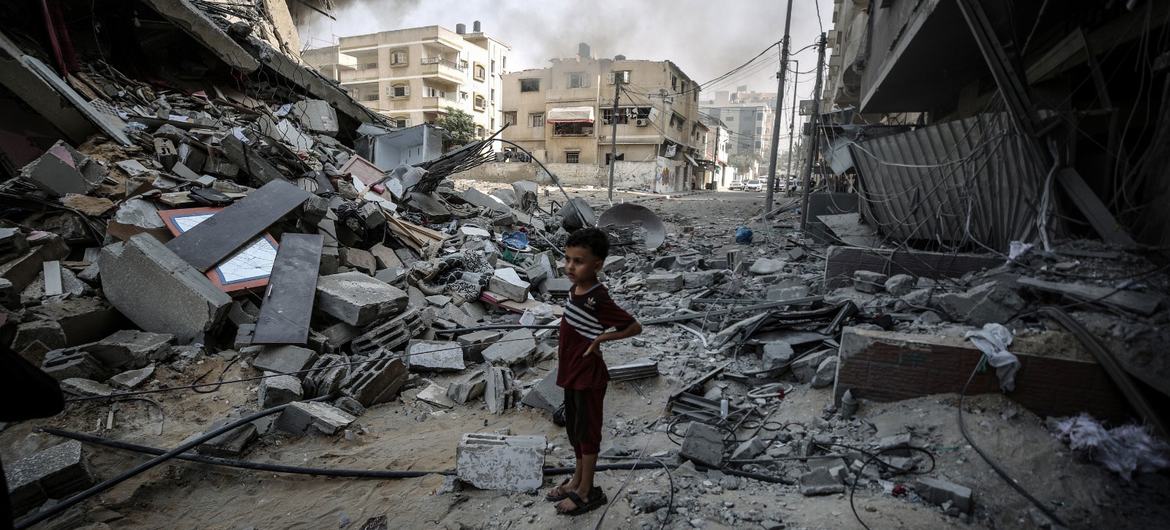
{"x": 460, "y": 128}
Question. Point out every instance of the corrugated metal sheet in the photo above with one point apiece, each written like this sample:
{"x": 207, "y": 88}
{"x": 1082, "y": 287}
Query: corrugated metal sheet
{"x": 959, "y": 183}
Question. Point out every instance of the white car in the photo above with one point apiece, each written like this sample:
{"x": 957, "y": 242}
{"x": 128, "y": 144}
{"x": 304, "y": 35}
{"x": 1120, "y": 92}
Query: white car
{"x": 735, "y": 185}
{"x": 754, "y": 185}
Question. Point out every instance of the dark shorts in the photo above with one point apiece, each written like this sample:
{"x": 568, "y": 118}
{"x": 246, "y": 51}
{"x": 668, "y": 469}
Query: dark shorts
{"x": 583, "y": 419}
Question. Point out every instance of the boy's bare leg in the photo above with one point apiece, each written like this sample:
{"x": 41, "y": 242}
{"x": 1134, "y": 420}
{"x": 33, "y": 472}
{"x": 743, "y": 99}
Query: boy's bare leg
{"x": 573, "y": 483}
{"x": 586, "y": 465}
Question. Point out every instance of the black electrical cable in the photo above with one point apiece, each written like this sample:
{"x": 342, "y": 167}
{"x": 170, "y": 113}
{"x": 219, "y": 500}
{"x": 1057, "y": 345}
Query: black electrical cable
{"x": 107, "y": 484}
{"x": 995, "y": 466}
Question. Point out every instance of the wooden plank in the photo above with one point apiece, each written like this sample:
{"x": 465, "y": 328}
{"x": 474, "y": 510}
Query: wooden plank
{"x": 1095, "y": 211}
{"x": 288, "y": 303}
{"x": 215, "y": 239}
{"x": 1142, "y": 303}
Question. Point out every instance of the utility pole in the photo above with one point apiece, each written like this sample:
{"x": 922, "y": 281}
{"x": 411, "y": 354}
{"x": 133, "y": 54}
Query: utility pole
{"x": 791, "y": 127}
{"x": 814, "y": 137}
{"x": 776, "y": 116}
{"x": 613, "y": 119}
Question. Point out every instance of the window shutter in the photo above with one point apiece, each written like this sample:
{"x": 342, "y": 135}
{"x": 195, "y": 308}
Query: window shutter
{"x": 406, "y": 90}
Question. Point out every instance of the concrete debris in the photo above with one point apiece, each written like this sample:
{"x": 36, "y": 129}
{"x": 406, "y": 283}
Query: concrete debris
{"x": 132, "y": 349}
{"x": 776, "y": 355}
{"x": 982, "y": 304}
{"x": 669, "y": 282}
{"x": 820, "y": 481}
{"x": 54, "y": 473}
{"x": 475, "y": 342}
{"x": 508, "y": 283}
{"x": 377, "y": 381}
{"x": 283, "y": 359}
{"x": 436, "y": 395}
{"x": 826, "y": 373}
{"x": 704, "y": 444}
{"x": 230, "y": 444}
{"x": 279, "y": 389}
{"x": 515, "y": 347}
{"x": 807, "y": 367}
{"x": 63, "y": 170}
{"x": 357, "y": 299}
{"x": 545, "y": 394}
{"x": 467, "y": 388}
{"x": 85, "y": 387}
{"x": 389, "y": 336}
{"x": 869, "y": 281}
{"x": 494, "y": 462}
{"x": 764, "y": 266}
{"x": 429, "y": 355}
{"x": 74, "y": 363}
{"x": 302, "y": 416}
{"x": 132, "y": 379}
{"x": 900, "y": 284}
{"x": 939, "y": 492}
{"x": 752, "y": 448}
{"x": 500, "y": 390}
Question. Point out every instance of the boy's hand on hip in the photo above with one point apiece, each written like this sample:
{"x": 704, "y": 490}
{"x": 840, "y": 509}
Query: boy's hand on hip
{"x": 594, "y": 348}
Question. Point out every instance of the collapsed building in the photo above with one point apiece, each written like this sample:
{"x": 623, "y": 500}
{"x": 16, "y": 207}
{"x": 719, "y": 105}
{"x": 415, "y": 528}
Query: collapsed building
{"x": 190, "y": 210}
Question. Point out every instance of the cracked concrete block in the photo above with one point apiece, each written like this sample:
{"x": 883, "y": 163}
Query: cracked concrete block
{"x": 85, "y": 387}
{"x": 131, "y": 379}
{"x": 668, "y": 282}
{"x": 357, "y": 299}
{"x": 475, "y": 342}
{"x": 982, "y": 304}
{"x": 159, "y": 291}
{"x": 302, "y": 416}
{"x": 378, "y": 381}
{"x": 938, "y": 491}
{"x": 820, "y": 481}
{"x": 614, "y": 263}
{"x": 283, "y": 359}
{"x": 356, "y": 258}
{"x": 517, "y": 346}
{"x": 545, "y": 395}
{"x": 230, "y": 444}
{"x": 137, "y": 216}
{"x": 776, "y": 355}
{"x": 826, "y": 373}
{"x": 496, "y": 462}
{"x": 130, "y": 348}
{"x": 63, "y": 170}
{"x": 71, "y": 363}
{"x": 749, "y": 449}
{"x": 431, "y": 355}
{"x": 467, "y": 388}
{"x": 279, "y": 390}
{"x": 507, "y": 282}
{"x": 806, "y": 368}
{"x": 900, "y": 284}
{"x": 703, "y": 444}
{"x": 54, "y": 473}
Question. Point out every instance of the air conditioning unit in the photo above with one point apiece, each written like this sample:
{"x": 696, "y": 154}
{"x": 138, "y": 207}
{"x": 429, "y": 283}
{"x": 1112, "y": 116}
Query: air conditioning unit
{"x": 641, "y": 122}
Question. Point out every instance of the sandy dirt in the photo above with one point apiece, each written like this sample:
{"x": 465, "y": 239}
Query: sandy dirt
{"x": 411, "y": 435}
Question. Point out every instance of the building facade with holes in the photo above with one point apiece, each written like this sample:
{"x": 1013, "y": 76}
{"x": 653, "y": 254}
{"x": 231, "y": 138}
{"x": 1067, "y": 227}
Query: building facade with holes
{"x": 417, "y": 75}
{"x": 563, "y": 115}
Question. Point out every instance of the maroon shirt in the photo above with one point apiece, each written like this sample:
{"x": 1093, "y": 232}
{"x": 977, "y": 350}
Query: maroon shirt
{"x": 586, "y": 316}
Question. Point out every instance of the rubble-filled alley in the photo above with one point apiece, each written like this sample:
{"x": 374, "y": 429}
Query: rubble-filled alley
{"x": 267, "y": 306}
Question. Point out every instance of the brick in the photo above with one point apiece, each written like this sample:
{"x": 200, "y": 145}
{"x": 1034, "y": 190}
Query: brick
{"x": 495, "y": 462}
{"x": 390, "y": 335}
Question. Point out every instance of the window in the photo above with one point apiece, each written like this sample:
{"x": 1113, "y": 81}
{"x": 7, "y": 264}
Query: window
{"x": 572, "y": 129}
{"x": 479, "y": 102}
{"x": 759, "y": 116}
{"x": 677, "y": 121}
{"x": 510, "y": 118}
{"x": 623, "y": 116}
{"x": 463, "y": 96}
{"x": 493, "y": 122}
{"x": 536, "y": 119}
{"x": 620, "y": 157}
{"x": 370, "y": 66}
{"x": 433, "y": 92}
{"x": 462, "y": 65}
{"x": 479, "y": 131}
{"x": 493, "y": 67}
{"x": 400, "y": 91}
{"x": 504, "y": 63}
{"x": 478, "y": 73}
{"x": 623, "y": 75}
{"x": 530, "y": 85}
{"x": 400, "y": 121}
{"x": 578, "y": 80}
{"x": 759, "y": 130}
{"x": 493, "y": 97}
{"x": 398, "y": 58}
{"x": 370, "y": 97}
{"x": 673, "y": 82}
{"x": 572, "y": 157}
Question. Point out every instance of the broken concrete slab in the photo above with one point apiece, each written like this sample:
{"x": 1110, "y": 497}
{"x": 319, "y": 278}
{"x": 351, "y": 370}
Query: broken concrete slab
{"x": 230, "y": 444}
{"x": 356, "y": 258}
{"x": 805, "y": 368}
{"x": 131, "y": 348}
{"x": 316, "y": 115}
{"x": 475, "y": 342}
{"x": 841, "y": 262}
{"x": 703, "y": 444}
{"x": 180, "y": 301}
{"x": 820, "y": 481}
{"x": 669, "y": 282}
{"x": 300, "y": 417}
{"x": 62, "y": 170}
{"x": 614, "y": 264}
{"x": 751, "y": 448}
{"x": 284, "y": 359}
{"x": 386, "y": 257}
{"x": 131, "y": 379}
{"x": 85, "y": 387}
{"x": 431, "y": 355}
{"x": 357, "y": 299}
{"x": 517, "y": 346}
{"x": 189, "y": 18}
{"x": 982, "y": 304}
{"x": 53, "y": 473}
{"x": 507, "y": 282}
{"x": 137, "y": 216}
{"x": 900, "y": 284}
{"x": 776, "y": 355}
{"x": 496, "y": 462}
{"x": 467, "y": 388}
{"x": 826, "y": 373}
{"x": 71, "y": 363}
{"x": 939, "y": 492}
{"x": 869, "y": 281}
{"x": 279, "y": 389}
{"x": 1137, "y": 302}
{"x": 545, "y": 395}
{"x": 764, "y": 266}
{"x": 499, "y": 393}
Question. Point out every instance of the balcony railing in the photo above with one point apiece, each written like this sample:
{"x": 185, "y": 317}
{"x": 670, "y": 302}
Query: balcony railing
{"x": 440, "y": 60}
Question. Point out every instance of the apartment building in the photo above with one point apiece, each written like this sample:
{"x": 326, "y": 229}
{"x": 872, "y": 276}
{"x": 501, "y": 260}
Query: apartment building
{"x": 748, "y": 117}
{"x": 416, "y": 75}
{"x": 564, "y": 114}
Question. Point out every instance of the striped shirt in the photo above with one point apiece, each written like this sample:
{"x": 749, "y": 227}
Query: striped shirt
{"x": 586, "y": 317}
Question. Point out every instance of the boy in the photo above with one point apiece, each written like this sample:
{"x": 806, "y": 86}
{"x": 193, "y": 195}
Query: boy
{"x": 581, "y": 371}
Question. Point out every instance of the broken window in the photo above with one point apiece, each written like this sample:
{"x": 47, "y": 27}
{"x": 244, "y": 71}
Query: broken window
{"x": 510, "y": 118}
{"x": 620, "y": 157}
{"x": 479, "y": 73}
{"x": 572, "y": 157}
{"x": 399, "y": 91}
{"x": 398, "y": 58}
{"x": 677, "y": 121}
{"x": 578, "y": 80}
{"x": 530, "y": 85}
{"x": 536, "y": 119}
{"x": 623, "y": 75}
{"x": 572, "y": 129}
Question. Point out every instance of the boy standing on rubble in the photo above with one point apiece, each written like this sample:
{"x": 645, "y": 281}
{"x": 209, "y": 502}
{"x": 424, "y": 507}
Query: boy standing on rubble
{"x": 581, "y": 371}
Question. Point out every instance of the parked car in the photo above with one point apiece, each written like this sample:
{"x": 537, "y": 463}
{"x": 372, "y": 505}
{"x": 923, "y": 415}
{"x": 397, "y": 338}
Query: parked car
{"x": 754, "y": 185}
{"x": 736, "y": 185}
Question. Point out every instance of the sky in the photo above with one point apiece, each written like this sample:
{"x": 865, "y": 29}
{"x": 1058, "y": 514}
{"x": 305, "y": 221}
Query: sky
{"x": 704, "y": 38}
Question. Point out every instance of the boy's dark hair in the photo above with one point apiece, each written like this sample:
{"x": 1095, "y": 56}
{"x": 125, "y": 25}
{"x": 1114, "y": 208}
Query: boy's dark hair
{"x": 591, "y": 238}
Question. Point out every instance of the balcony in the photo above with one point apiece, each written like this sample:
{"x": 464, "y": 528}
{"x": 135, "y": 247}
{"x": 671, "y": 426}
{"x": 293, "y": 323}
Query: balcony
{"x": 439, "y": 104}
{"x": 442, "y": 70}
{"x": 367, "y": 75}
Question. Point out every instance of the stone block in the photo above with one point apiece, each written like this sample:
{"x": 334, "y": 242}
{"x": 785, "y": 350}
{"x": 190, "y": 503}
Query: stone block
{"x": 900, "y": 284}
{"x": 430, "y": 355}
{"x": 356, "y": 258}
{"x": 776, "y": 355}
{"x": 668, "y": 282}
{"x": 467, "y": 388}
{"x": 826, "y": 373}
{"x": 279, "y": 390}
{"x": 377, "y": 381}
{"x": 545, "y": 395}
{"x": 506, "y": 282}
{"x": 475, "y": 342}
{"x": 820, "y": 481}
{"x": 869, "y": 281}
{"x": 302, "y": 416}
{"x": 702, "y": 279}
{"x": 919, "y": 297}
{"x": 496, "y": 462}
{"x": 54, "y": 473}
{"x": 703, "y": 444}
{"x": 517, "y": 346}
{"x": 939, "y": 492}
{"x": 160, "y": 292}
{"x": 131, "y": 379}
{"x": 357, "y": 299}
{"x": 386, "y": 257}
{"x": 285, "y": 359}
{"x": 130, "y": 348}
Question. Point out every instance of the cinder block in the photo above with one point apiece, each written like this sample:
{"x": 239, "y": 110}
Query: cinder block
{"x": 390, "y": 335}
{"x": 495, "y": 462}
{"x": 376, "y": 382}
{"x": 937, "y": 491}
{"x": 302, "y": 416}
{"x": 279, "y": 390}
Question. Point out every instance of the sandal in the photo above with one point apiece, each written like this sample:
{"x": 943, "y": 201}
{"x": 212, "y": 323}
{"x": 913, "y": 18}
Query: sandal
{"x": 596, "y": 499}
{"x": 558, "y": 497}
